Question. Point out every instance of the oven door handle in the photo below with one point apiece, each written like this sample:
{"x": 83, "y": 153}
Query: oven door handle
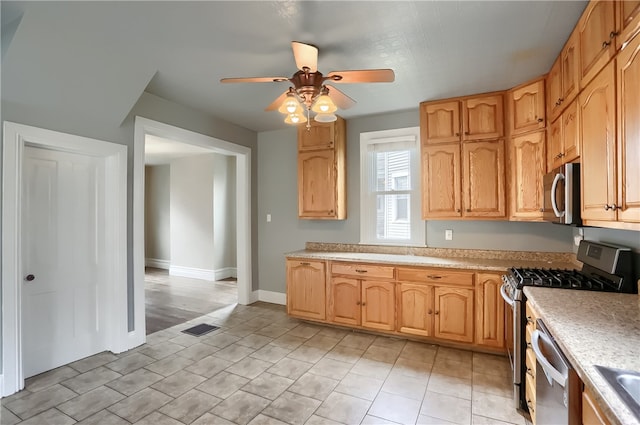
{"x": 551, "y": 372}
{"x": 505, "y": 296}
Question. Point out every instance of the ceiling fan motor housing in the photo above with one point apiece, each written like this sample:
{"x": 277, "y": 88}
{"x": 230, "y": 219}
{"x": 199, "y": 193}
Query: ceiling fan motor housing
{"x": 307, "y": 84}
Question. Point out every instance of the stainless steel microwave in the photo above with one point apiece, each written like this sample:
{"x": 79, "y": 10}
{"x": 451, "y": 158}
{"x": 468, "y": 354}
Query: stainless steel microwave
{"x": 562, "y": 195}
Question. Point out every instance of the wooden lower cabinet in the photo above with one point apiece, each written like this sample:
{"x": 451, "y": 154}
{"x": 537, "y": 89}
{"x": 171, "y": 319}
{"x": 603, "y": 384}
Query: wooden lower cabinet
{"x": 306, "y": 289}
{"x": 591, "y": 413}
{"x": 415, "y": 309}
{"x": 453, "y": 311}
{"x": 489, "y": 311}
{"x": 370, "y": 304}
{"x": 531, "y": 363}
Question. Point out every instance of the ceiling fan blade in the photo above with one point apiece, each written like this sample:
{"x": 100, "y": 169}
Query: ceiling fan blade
{"x": 341, "y": 100}
{"x": 276, "y": 103}
{"x": 362, "y": 76}
{"x": 254, "y": 80}
{"x": 305, "y": 55}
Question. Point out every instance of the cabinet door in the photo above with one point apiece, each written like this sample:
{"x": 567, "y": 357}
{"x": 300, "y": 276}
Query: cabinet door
{"x": 555, "y": 150}
{"x": 597, "y": 134}
{"x": 344, "y": 301}
{"x": 316, "y": 184}
{"x": 570, "y": 136}
{"x": 482, "y": 117}
{"x": 554, "y": 90}
{"x": 378, "y": 305}
{"x": 318, "y": 136}
{"x": 526, "y": 107}
{"x": 306, "y": 289}
{"x": 591, "y": 413}
{"x": 415, "y": 305}
{"x": 570, "y": 57}
{"x": 483, "y": 179}
{"x": 597, "y": 44}
{"x": 489, "y": 311}
{"x": 440, "y": 122}
{"x": 628, "y": 81}
{"x": 527, "y": 170}
{"x": 453, "y": 314}
{"x": 628, "y": 21}
{"x": 441, "y": 181}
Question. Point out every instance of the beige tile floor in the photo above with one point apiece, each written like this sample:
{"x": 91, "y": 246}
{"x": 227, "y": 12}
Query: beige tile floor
{"x": 263, "y": 367}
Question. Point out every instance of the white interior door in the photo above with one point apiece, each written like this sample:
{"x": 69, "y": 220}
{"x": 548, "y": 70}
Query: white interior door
{"x": 63, "y": 252}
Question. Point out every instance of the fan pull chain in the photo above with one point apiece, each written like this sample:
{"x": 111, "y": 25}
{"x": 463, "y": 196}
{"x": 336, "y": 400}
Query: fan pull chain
{"x": 308, "y": 120}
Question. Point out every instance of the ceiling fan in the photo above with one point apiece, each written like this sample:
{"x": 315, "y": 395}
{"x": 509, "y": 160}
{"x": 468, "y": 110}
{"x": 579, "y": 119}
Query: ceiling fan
{"x": 309, "y": 91}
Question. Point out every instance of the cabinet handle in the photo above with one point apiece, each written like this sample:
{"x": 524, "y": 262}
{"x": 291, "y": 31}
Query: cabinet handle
{"x": 305, "y": 264}
{"x": 607, "y": 207}
{"x": 540, "y": 119}
{"x": 434, "y": 276}
{"x": 437, "y": 312}
{"x": 360, "y": 271}
{"x": 606, "y": 44}
{"x": 613, "y": 34}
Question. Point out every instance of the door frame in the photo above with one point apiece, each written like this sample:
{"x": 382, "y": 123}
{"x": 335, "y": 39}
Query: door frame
{"x": 15, "y": 137}
{"x": 144, "y": 126}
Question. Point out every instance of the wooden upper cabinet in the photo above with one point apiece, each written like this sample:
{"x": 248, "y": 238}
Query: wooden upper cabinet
{"x": 440, "y": 122}
{"x": 322, "y": 171}
{"x": 628, "y": 21}
{"x": 483, "y": 117}
{"x": 441, "y": 179}
{"x": 378, "y": 305}
{"x": 527, "y": 169}
{"x": 563, "y": 80}
{"x": 453, "y": 314}
{"x": 555, "y": 147}
{"x": 483, "y": 178}
{"x": 596, "y": 108}
{"x": 527, "y": 108}
{"x": 489, "y": 311}
{"x": 306, "y": 289}
{"x": 597, "y": 38}
{"x": 628, "y": 96}
{"x": 316, "y": 175}
{"x": 344, "y": 301}
{"x": 415, "y": 309}
{"x": 318, "y": 136}
{"x": 563, "y": 144}
{"x": 554, "y": 90}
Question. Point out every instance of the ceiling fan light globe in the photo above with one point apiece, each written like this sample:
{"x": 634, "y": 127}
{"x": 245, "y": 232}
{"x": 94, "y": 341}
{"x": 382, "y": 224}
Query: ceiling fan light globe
{"x": 290, "y": 105}
{"x": 329, "y": 117}
{"x": 324, "y": 105}
{"x": 295, "y": 119}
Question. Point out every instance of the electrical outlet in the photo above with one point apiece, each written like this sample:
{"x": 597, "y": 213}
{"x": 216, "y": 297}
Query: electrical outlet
{"x": 268, "y": 218}
{"x": 448, "y": 235}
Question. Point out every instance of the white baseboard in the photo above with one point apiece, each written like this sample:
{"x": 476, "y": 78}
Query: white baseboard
{"x": 192, "y": 272}
{"x": 271, "y": 297}
{"x": 157, "y": 263}
{"x": 225, "y": 273}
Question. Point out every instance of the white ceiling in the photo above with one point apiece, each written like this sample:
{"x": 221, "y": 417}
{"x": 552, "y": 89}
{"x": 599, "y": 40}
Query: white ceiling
{"x": 66, "y": 55}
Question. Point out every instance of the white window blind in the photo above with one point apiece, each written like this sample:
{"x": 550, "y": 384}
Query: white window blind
{"x": 390, "y": 188}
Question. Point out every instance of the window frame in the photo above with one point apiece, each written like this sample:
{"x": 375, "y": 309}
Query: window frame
{"x": 368, "y": 198}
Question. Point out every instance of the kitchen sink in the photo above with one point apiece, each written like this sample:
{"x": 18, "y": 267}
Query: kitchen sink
{"x": 626, "y": 383}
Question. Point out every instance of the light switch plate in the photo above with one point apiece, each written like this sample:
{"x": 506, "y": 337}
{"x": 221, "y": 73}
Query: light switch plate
{"x": 448, "y": 235}
{"x": 268, "y": 218}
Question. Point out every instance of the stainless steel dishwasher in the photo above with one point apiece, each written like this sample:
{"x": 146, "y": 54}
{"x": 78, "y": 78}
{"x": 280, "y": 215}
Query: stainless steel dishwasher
{"x": 558, "y": 388}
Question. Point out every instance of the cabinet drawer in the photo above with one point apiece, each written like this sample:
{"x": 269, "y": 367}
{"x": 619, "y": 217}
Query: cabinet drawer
{"x": 435, "y": 276}
{"x": 362, "y": 270}
{"x": 531, "y": 363}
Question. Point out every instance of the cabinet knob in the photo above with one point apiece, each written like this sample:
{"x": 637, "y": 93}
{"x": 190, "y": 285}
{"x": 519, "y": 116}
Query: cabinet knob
{"x": 358, "y": 303}
{"x": 606, "y": 44}
{"x": 466, "y": 132}
{"x": 29, "y": 278}
{"x": 363, "y": 304}
{"x": 607, "y": 207}
{"x": 530, "y": 372}
{"x": 458, "y": 210}
{"x": 468, "y": 209}
{"x": 540, "y": 119}
{"x": 529, "y": 320}
{"x": 541, "y": 209}
{"x": 614, "y": 34}
{"x": 330, "y": 212}
{"x": 430, "y": 311}
{"x": 614, "y": 207}
{"x": 437, "y": 312}
{"x": 457, "y": 134}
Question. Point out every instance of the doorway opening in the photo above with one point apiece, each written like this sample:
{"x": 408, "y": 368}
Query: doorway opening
{"x": 190, "y": 232}
{"x": 242, "y": 156}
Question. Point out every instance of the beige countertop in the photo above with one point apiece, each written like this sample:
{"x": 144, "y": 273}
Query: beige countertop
{"x": 594, "y": 328}
{"x": 468, "y": 262}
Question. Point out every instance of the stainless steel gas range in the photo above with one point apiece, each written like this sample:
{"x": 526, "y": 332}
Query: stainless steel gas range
{"x": 604, "y": 268}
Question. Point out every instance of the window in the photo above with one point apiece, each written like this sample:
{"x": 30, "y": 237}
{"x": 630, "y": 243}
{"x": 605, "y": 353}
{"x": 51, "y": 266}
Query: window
{"x": 389, "y": 188}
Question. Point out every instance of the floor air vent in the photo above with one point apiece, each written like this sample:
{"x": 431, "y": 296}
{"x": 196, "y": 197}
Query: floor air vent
{"x": 200, "y": 329}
